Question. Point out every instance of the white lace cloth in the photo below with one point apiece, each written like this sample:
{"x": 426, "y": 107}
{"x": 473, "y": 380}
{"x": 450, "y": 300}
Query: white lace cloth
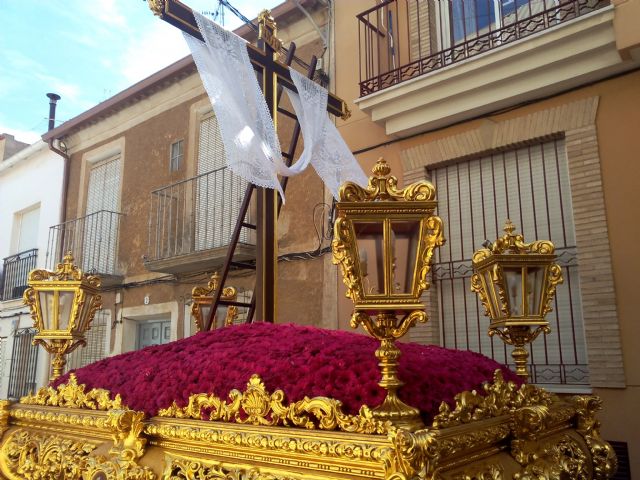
{"x": 250, "y": 141}
{"x": 324, "y": 147}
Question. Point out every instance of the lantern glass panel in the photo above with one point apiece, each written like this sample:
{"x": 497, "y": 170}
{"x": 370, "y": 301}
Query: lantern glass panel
{"x": 404, "y": 246}
{"x": 65, "y": 300}
{"x": 370, "y": 245}
{"x": 205, "y": 308}
{"x": 83, "y": 318}
{"x": 513, "y": 282}
{"x": 47, "y": 300}
{"x": 493, "y": 298}
{"x": 535, "y": 282}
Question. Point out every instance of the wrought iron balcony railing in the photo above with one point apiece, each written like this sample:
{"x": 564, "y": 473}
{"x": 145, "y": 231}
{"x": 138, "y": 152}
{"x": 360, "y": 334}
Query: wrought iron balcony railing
{"x": 15, "y": 271}
{"x": 403, "y": 39}
{"x": 92, "y": 239}
{"x": 195, "y": 216}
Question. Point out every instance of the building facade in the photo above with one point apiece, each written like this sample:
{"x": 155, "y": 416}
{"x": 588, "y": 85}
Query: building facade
{"x": 30, "y": 197}
{"x": 523, "y": 110}
{"x": 151, "y": 205}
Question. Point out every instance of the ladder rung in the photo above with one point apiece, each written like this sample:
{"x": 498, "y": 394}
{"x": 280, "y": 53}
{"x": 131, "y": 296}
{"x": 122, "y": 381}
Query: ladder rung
{"x": 250, "y": 266}
{"x": 249, "y": 225}
{"x": 234, "y": 303}
{"x": 287, "y": 113}
{"x": 286, "y": 155}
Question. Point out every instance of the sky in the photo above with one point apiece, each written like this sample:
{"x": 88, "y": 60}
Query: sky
{"x": 85, "y": 51}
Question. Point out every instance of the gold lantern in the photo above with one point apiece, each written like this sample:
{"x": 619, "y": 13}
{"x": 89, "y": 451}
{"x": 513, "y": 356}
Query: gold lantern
{"x": 63, "y": 304}
{"x": 516, "y": 283}
{"x": 384, "y": 240}
{"x": 203, "y": 301}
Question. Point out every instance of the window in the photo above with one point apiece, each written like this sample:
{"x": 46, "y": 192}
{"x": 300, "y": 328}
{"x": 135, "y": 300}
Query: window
{"x": 177, "y": 153}
{"x": 26, "y": 229}
{"x": 96, "y": 337}
{"x": 530, "y": 186}
{"x": 471, "y": 18}
{"x": 218, "y": 192}
{"x": 24, "y": 360}
{"x": 100, "y": 228}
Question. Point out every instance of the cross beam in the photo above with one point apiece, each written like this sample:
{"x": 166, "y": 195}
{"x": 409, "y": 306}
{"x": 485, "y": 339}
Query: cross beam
{"x": 272, "y": 74}
{"x": 181, "y": 16}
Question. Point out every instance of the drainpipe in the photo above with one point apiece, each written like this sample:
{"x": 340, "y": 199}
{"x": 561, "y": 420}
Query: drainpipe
{"x": 53, "y": 99}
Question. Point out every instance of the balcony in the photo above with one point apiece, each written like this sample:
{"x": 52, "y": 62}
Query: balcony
{"x": 93, "y": 241}
{"x": 191, "y": 223}
{"x": 15, "y": 272}
{"x": 427, "y": 64}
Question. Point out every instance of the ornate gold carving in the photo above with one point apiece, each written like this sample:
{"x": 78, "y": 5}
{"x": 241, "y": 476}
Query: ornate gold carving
{"x": 157, "y": 7}
{"x": 28, "y": 455}
{"x": 73, "y": 395}
{"x": 513, "y": 243}
{"x": 205, "y": 295}
{"x": 413, "y": 455}
{"x": 605, "y": 462}
{"x": 257, "y": 407}
{"x": 128, "y": 446}
{"x": 560, "y": 458}
{"x": 4, "y": 416}
{"x": 500, "y": 398}
{"x": 343, "y": 257}
{"x": 482, "y": 472}
{"x": 383, "y": 186}
{"x": 189, "y": 469}
{"x": 267, "y": 30}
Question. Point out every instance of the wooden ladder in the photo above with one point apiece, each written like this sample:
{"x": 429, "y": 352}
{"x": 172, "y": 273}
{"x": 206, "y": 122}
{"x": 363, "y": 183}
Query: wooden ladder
{"x": 244, "y": 208}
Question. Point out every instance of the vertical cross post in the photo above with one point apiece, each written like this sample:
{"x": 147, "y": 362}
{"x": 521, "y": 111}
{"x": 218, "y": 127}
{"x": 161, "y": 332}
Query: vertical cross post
{"x": 267, "y": 201}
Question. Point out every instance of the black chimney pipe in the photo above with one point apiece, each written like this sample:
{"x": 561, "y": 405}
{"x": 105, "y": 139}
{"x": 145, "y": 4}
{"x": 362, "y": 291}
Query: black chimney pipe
{"x": 53, "y": 98}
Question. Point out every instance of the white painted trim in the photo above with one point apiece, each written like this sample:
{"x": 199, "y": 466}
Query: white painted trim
{"x": 126, "y": 335}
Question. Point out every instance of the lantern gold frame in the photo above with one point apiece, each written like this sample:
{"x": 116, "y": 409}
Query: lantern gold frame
{"x": 530, "y": 271}
{"x": 57, "y": 335}
{"x": 386, "y": 314}
{"x": 203, "y": 298}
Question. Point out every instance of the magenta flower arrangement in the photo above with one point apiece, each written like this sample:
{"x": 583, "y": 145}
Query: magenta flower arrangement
{"x": 301, "y": 361}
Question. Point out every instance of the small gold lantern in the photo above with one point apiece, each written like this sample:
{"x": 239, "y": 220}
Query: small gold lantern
{"x": 516, "y": 283}
{"x": 384, "y": 241}
{"x": 63, "y": 304}
{"x": 203, "y": 301}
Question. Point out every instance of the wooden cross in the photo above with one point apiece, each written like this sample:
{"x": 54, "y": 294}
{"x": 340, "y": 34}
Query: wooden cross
{"x": 272, "y": 73}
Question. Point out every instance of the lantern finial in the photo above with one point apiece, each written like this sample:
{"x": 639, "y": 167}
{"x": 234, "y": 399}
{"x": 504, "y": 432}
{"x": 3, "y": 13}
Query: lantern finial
{"x": 509, "y": 227}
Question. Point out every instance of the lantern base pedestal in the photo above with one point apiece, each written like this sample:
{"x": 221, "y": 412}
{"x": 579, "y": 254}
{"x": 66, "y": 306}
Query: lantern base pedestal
{"x": 398, "y": 413}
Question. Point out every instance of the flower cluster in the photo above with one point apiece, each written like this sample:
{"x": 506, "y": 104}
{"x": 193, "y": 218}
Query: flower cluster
{"x": 302, "y": 361}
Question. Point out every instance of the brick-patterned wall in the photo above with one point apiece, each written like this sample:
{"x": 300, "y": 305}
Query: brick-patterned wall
{"x": 576, "y": 120}
{"x": 420, "y": 28}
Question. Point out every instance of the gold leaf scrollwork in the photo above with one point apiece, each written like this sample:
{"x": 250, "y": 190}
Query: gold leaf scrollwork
{"x": 478, "y": 288}
{"x": 342, "y": 256}
{"x": 500, "y": 398}
{"x": 605, "y": 462}
{"x": 128, "y": 446}
{"x": 482, "y": 472}
{"x": 383, "y": 186}
{"x": 414, "y": 455}
{"x": 554, "y": 273}
{"x": 27, "y": 455}
{"x": 434, "y": 238}
{"x": 157, "y": 7}
{"x": 73, "y": 395}
{"x": 190, "y": 469}
{"x": 257, "y": 407}
{"x": 560, "y": 458}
